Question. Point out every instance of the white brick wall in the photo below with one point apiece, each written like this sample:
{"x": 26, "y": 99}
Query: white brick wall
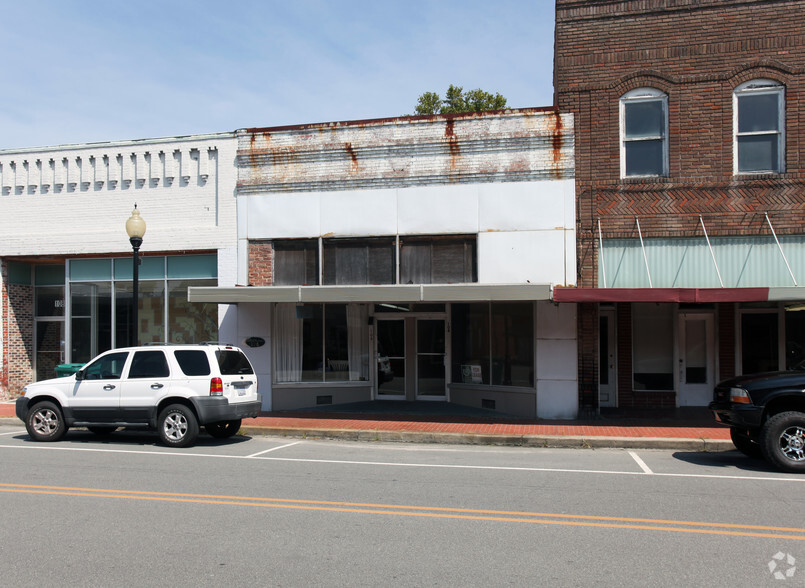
{"x": 75, "y": 199}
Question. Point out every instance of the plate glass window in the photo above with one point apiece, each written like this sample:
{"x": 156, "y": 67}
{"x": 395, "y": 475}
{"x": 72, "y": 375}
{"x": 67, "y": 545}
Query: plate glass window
{"x": 759, "y": 127}
{"x": 644, "y": 133}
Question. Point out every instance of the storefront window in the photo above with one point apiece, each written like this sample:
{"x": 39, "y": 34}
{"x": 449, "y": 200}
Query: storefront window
{"x": 759, "y": 342}
{"x": 321, "y": 343}
{"x": 190, "y": 322}
{"x": 513, "y": 344}
{"x": 151, "y": 313}
{"x": 493, "y": 343}
{"x": 794, "y": 338}
{"x": 90, "y": 320}
{"x": 653, "y": 346}
{"x": 101, "y": 290}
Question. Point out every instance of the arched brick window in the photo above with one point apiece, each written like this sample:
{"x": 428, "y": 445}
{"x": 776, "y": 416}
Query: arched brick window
{"x": 759, "y": 127}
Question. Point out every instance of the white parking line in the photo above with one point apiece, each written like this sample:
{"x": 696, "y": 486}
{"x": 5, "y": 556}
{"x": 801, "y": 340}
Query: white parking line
{"x": 274, "y": 449}
{"x": 641, "y": 463}
{"x": 169, "y": 453}
{"x": 13, "y": 433}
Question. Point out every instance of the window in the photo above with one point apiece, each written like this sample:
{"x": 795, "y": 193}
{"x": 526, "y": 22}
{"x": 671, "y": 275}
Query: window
{"x": 321, "y": 342}
{"x": 296, "y": 262}
{"x": 358, "y": 261}
{"x": 149, "y": 364}
{"x": 644, "y": 133}
{"x": 760, "y": 344}
{"x": 653, "y": 346}
{"x": 759, "y": 110}
{"x": 493, "y": 343}
{"x": 364, "y": 261}
{"x": 193, "y": 363}
{"x": 108, "y": 367}
{"x": 437, "y": 260}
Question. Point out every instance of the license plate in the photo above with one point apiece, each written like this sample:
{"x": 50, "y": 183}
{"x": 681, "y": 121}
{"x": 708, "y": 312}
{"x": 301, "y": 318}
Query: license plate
{"x": 241, "y": 392}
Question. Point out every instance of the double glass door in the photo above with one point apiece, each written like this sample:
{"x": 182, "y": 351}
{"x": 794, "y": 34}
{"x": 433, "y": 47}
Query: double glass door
{"x": 414, "y": 349}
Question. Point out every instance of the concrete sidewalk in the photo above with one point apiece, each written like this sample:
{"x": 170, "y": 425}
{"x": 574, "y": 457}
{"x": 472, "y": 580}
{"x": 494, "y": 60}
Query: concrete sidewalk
{"x": 457, "y": 425}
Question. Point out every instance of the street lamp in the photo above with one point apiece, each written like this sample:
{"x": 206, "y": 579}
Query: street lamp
{"x": 135, "y": 227}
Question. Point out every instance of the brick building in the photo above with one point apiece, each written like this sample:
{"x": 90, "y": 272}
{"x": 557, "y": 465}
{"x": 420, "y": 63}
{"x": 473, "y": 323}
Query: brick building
{"x": 690, "y": 161}
{"x": 66, "y": 262}
{"x": 430, "y": 243}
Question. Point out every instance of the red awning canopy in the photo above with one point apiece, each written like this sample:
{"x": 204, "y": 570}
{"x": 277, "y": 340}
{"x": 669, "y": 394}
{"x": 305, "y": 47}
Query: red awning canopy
{"x": 689, "y": 295}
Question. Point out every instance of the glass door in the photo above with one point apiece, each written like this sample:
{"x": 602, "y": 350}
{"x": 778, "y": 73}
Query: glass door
{"x": 390, "y": 377}
{"x": 430, "y": 359}
{"x": 49, "y": 348}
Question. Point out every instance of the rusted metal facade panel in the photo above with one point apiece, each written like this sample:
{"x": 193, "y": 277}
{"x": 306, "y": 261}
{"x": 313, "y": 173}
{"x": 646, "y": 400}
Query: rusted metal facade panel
{"x": 503, "y": 146}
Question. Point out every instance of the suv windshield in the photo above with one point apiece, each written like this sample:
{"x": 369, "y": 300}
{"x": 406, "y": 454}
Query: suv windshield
{"x": 233, "y": 363}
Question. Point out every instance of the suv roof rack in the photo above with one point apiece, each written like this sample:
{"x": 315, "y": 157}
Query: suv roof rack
{"x": 223, "y": 343}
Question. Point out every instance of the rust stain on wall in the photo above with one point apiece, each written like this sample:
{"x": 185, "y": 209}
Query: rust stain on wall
{"x": 352, "y": 155}
{"x": 452, "y": 144}
{"x": 557, "y": 140}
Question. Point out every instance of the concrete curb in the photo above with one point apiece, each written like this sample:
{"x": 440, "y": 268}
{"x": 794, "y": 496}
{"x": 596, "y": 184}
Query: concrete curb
{"x": 552, "y": 441}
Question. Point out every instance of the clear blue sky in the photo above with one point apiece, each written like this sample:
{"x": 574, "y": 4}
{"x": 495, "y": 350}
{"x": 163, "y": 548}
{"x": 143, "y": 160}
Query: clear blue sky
{"x": 77, "y": 71}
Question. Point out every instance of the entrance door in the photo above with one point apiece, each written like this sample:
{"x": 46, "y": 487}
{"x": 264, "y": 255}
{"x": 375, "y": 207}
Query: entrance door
{"x": 411, "y": 356}
{"x": 390, "y": 359}
{"x": 696, "y": 359}
{"x": 607, "y": 383}
{"x": 431, "y": 376}
{"x": 49, "y": 348}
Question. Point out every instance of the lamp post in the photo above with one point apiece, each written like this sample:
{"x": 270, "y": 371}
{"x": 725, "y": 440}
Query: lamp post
{"x": 135, "y": 227}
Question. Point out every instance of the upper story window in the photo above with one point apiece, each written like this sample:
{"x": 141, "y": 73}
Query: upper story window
{"x": 758, "y": 120}
{"x": 644, "y": 133}
{"x": 296, "y": 262}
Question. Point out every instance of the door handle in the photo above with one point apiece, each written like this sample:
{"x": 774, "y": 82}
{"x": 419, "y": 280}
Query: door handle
{"x": 109, "y": 387}
{"x": 156, "y": 386}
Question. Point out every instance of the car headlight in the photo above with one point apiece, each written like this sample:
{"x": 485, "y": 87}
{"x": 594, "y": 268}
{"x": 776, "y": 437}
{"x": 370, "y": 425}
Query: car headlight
{"x": 739, "y": 396}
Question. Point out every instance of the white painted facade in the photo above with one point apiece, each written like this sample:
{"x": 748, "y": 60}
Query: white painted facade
{"x": 504, "y": 179}
{"x": 72, "y": 201}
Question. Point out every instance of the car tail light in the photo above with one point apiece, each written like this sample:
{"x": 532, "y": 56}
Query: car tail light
{"x": 216, "y": 387}
{"x": 739, "y": 396}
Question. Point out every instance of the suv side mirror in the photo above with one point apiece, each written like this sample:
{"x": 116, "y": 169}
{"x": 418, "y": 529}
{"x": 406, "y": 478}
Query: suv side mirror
{"x": 79, "y": 375}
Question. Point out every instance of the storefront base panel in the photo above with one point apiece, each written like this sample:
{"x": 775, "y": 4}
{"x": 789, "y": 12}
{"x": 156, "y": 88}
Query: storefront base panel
{"x": 496, "y": 400}
{"x": 296, "y": 397}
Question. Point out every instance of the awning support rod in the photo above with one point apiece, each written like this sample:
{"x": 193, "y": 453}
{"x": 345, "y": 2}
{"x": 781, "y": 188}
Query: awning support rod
{"x": 601, "y": 253}
{"x": 781, "y": 249}
{"x": 645, "y": 257}
{"x": 712, "y": 255}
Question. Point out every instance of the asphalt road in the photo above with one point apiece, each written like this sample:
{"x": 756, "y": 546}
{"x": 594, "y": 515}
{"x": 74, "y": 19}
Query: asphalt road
{"x": 280, "y": 512}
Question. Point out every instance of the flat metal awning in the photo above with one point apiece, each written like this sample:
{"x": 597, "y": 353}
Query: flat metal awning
{"x": 371, "y": 294}
{"x": 687, "y": 295}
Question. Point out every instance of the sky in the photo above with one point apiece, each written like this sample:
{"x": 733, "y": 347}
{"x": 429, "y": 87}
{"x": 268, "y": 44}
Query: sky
{"x": 85, "y": 71}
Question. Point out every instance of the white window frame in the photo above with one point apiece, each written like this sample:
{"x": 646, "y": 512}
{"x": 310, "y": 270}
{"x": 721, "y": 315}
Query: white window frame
{"x": 644, "y": 95}
{"x": 758, "y": 87}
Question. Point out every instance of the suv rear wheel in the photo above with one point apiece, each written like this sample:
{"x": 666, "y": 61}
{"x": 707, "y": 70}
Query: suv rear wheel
{"x": 782, "y": 441}
{"x": 45, "y": 422}
{"x": 178, "y": 426}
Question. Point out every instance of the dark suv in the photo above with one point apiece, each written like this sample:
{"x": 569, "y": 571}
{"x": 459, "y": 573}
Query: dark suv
{"x": 766, "y": 415}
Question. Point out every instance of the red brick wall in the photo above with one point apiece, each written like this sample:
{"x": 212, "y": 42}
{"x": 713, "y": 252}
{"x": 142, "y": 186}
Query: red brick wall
{"x": 697, "y": 52}
{"x": 17, "y": 328}
{"x": 261, "y": 263}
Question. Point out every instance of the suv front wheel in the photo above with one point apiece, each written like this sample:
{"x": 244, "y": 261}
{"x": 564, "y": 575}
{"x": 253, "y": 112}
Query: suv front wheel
{"x": 178, "y": 426}
{"x": 45, "y": 422}
{"x": 782, "y": 440}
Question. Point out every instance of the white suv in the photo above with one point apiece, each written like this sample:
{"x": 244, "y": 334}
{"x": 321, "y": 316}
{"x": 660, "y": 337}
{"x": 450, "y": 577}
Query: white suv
{"x": 171, "y": 388}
